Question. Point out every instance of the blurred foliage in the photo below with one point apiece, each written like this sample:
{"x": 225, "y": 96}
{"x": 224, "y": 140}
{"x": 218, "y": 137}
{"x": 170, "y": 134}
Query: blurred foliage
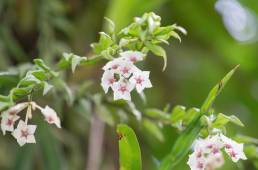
{"x": 46, "y": 29}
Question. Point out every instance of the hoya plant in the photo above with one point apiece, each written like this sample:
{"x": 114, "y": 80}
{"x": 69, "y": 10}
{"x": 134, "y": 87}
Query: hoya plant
{"x": 202, "y": 131}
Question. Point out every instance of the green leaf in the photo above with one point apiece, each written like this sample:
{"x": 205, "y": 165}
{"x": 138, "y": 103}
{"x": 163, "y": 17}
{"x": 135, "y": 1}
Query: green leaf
{"x": 158, "y": 114}
{"x": 191, "y": 115}
{"x": 41, "y": 64}
{"x": 105, "y": 41}
{"x": 24, "y": 158}
{"x": 177, "y": 113}
{"x": 153, "y": 129}
{"x": 49, "y": 147}
{"x": 46, "y": 88}
{"x": 185, "y": 140}
{"x": 181, "y": 146}
{"x": 110, "y": 26}
{"x": 159, "y": 51}
{"x": 222, "y": 120}
{"x": 4, "y": 102}
{"x": 129, "y": 149}
{"x": 76, "y": 60}
{"x": 216, "y": 91}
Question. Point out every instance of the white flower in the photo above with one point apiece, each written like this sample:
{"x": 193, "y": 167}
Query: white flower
{"x": 17, "y": 108}
{"x": 126, "y": 69}
{"x": 107, "y": 80}
{"x": 8, "y": 121}
{"x": 213, "y": 144}
{"x": 214, "y": 161}
{"x": 51, "y": 116}
{"x": 113, "y": 65}
{"x": 24, "y": 133}
{"x": 196, "y": 162}
{"x": 122, "y": 90}
{"x": 132, "y": 56}
{"x": 233, "y": 149}
{"x": 141, "y": 80}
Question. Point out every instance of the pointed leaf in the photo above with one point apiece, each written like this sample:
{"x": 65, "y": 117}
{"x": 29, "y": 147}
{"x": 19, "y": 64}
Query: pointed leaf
{"x": 129, "y": 149}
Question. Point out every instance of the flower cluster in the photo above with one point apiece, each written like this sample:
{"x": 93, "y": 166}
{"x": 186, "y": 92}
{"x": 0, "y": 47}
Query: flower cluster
{"x": 208, "y": 152}
{"x": 24, "y": 133}
{"x": 122, "y": 76}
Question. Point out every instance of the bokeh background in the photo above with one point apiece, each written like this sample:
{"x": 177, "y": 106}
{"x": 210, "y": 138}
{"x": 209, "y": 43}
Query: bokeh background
{"x": 219, "y": 37}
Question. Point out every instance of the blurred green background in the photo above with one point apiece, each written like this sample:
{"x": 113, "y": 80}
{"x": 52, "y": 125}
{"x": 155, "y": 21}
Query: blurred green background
{"x": 47, "y": 28}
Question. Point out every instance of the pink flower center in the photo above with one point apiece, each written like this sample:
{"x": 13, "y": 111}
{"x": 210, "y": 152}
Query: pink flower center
{"x": 232, "y": 154}
{"x": 200, "y": 165}
{"x": 122, "y": 89}
{"x": 24, "y": 133}
{"x": 210, "y": 146}
{"x": 125, "y": 70}
{"x": 50, "y": 119}
{"x": 115, "y": 66}
{"x": 139, "y": 80}
{"x": 215, "y": 150}
{"x": 228, "y": 146}
{"x": 9, "y": 122}
{"x": 199, "y": 154}
{"x": 133, "y": 59}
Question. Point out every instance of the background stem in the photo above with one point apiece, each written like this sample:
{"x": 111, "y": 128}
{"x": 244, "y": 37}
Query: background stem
{"x": 95, "y": 146}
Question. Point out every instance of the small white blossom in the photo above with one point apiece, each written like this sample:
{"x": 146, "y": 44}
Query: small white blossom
{"x": 208, "y": 155}
{"x": 214, "y": 161}
{"x": 24, "y": 133}
{"x": 126, "y": 69}
{"x": 196, "y": 162}
{"x": 233, "y": 149}
{"x": 113, "y": 65}
{"x": 17, "y": 108}
{"x": 141, "y": 80}
{"x": 132, "y": 56}
{"x": 122, "y": 76}
{"x": 107, "y": 80}
{"x": 8, "y": 121}
{"x": 122, "y": 90}
{"x": 51, "y": 116}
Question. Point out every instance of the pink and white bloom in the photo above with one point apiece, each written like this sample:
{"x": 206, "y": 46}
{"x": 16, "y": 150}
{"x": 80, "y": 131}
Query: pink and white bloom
{"x": 123, "y": 76}
{"x": 17, "y": 108}
{"x": 126, "y": 69}
{"x": 107, "y": 80}
{"x": 24, "y": 133}
{"x": 196, "y": 161}
{"x": 51, "y": 116}
{"x": 214, "y": 161}
{"x": 7, "y": 122}
{"x": 113, "y": 65}
{"x": 141, "y": 80}
{"x": 208, "y": 155}
{"x": 122, "y": 90}
{"x": 132, "y": 56}
{"x": 233, "y": 149}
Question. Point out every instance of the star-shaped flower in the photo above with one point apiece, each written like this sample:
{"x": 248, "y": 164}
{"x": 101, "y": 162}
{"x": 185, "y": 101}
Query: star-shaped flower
{"x": 51, "y": 116}
{"x": 122, "y": 90}
{"x": 8, "y": 121}
{"x": 141, "y": 80}
{"x": 132, "y": 56}
{"x": 24, "y": 133}
{"x": 233, "y": 149}
{"x": 107, "y": 80}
